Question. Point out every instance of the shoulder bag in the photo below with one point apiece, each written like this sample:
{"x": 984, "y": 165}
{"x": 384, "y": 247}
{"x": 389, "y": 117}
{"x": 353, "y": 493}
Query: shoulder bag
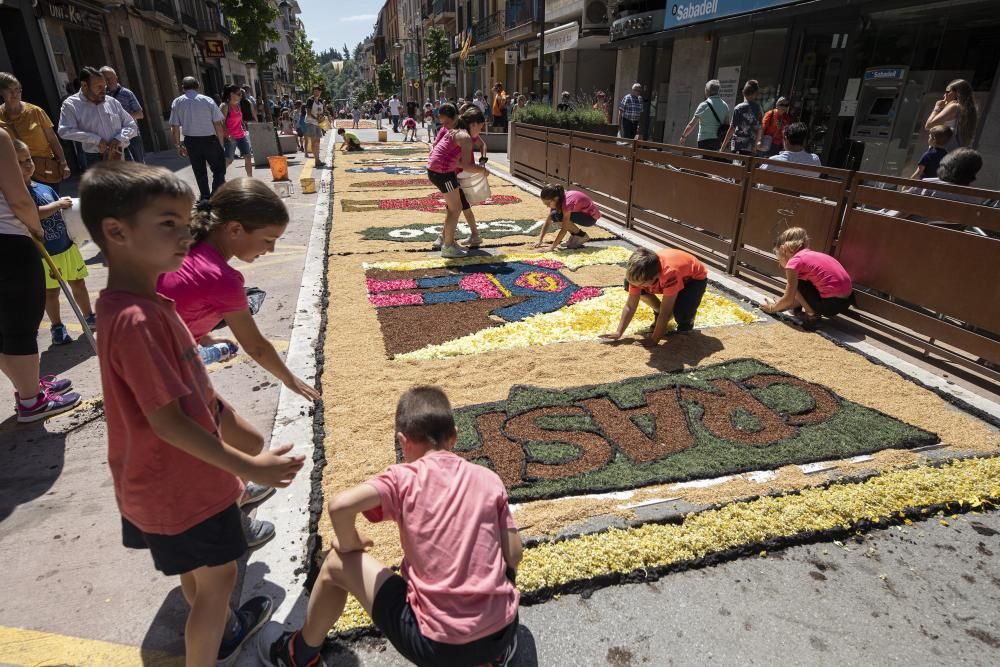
{"x": 723, "y": 127}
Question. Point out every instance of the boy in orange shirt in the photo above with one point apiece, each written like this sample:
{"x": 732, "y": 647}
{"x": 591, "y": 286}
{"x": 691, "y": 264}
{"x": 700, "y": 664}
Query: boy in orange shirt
{"x": 453, "y": 601}
{"x": 173, "y": 444}
{"x": 676, "y": 275}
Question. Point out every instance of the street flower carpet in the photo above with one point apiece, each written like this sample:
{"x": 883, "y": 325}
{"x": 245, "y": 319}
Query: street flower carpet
{"x": 772, "y": 435}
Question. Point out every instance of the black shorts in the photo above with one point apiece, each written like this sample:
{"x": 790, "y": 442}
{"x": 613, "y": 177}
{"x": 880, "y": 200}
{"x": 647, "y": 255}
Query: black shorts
{"x": 687, "y": 302}
{"x": 828, "y": 307}
{"x": 393, "y": 615}
{"x": 578, "y": 218}
{"x": 215, "y": 541}
{"x": 22, "y": 295}
{"x": 448, "y": 183}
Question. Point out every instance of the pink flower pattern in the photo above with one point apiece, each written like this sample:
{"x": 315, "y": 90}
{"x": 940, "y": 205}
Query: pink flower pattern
{"x": 481, "y": 285}
{"x": 400, "y": 299}
{"x": 389, "y": 285}
{"x": 583, "y": 294}
{"x": 545, "y": 263}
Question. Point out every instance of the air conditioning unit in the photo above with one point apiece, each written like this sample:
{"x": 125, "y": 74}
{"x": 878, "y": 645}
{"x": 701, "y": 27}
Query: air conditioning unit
{"x": 595, "y": 15}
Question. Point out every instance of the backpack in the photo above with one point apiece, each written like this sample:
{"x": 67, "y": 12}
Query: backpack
{"x": 723, "y": 127}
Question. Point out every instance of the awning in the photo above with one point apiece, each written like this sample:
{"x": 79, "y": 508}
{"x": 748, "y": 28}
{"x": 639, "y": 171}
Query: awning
{"x": 561, "y": 38}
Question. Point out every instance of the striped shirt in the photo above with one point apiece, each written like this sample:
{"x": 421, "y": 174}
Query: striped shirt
{"x": 196, "y": 114}
{"x": 631, "y": 107}
{"x": 89, "y": 124}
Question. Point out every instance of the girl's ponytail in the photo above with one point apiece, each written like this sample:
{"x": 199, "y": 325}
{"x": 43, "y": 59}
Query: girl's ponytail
{"x": 791, "y": 241}
{"x": 247, "y": 201}
{"x": 202, "y": 220}
{"x": 554, "y": 191}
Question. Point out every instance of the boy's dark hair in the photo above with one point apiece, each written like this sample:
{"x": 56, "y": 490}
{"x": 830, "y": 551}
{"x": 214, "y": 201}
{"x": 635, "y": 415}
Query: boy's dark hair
{"x": 118, "y": 189}
{"x": 87, "y": 73}
{"x": 941, "y": 134}
{"x": 796, "y": 134}
{"x": 643, "y": 266}
{"x": 341, "y": 130}
{"x": 229, "y": 90}
{"x": 750, "y": 87}
{"x": 960, "y": 166}
{"x": 424, "y": 414}
{"x": 472, "y": 115}
{"x": 553, "y": 191}
{"x": 248, "y": 201}
{"x": 448, "y": 109}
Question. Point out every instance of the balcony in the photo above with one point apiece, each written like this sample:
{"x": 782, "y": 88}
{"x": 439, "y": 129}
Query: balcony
{"x": 189, "y": 21}
{"x": 490, "y": 27}
{"x": 521, "y": 12}
{"x": 443, "y": 7}
{"x": 161, "y": 11}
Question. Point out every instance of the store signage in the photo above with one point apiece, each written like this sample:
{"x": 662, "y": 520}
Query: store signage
{"x": 510, "y": 57}
{"x": 886, "y": 74}
{"x": 562, "y": 38}
{"x": 685, "y": 13}
{"x": 76, "y": 15}
{"x": 637, "y": 24}
{"x": 215, "y": 48}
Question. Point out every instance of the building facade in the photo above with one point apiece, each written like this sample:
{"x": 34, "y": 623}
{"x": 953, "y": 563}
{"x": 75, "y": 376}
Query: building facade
{"x": 862, "y": 75}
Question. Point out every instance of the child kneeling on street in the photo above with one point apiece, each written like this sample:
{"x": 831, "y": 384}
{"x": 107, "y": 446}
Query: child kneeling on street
{"x": 676, "y": 275}
{"x": 351, "y": 141}
{"x": 173, "y": 444}
{"x": 568, "y": 209}
{"x": 817, "y": 285}
{"x": 453, "y": 603}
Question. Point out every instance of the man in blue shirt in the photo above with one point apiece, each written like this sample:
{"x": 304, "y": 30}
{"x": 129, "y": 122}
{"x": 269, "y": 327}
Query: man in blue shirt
{"x": 130, "y": 103}
{"x": 201, "y": 121}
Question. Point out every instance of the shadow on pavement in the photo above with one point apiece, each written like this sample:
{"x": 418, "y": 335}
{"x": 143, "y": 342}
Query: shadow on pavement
{"x": 58, "y": 359}
{"x": 31, "y": 460}
{"x": 684, "y": 349}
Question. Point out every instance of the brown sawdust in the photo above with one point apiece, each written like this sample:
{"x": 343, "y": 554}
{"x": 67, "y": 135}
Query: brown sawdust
{"x": 360, "y": 387}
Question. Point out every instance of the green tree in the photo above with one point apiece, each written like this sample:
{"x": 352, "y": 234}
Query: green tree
{"x": 347, "y": 52}
{"x": 385, "y": 79}
{"x": 305, "y": 61}
{"x": 437, "y": 61}
{"x": 252, "y": 31}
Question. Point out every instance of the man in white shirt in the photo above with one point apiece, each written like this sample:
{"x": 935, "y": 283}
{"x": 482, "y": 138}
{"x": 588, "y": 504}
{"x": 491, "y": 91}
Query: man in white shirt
{"x": 394, "y": 107}
{"x": 98, "y": 122}
{"x": 201, "y": 121}
{"x": 794, "y": 137}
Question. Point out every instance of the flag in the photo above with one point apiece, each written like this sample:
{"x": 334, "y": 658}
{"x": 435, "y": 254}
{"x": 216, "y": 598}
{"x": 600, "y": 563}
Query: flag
{"x": 466, "y": 45}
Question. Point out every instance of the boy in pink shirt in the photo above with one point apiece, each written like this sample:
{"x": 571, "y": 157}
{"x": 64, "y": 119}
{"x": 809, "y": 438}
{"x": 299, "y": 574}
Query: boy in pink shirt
{"x": 816, "y": 283}
{"x": 452, "y": 603}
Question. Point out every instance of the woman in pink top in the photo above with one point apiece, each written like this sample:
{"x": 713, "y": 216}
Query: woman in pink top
{"x": 453, "y": 602}
{"x": 236, "y": 135}
{"x": 816, "y": 283}
{"x": 450, "y": 155}
{"x": 568, "y": 209}
{"x": 446, "y": 116}
{"x": 244, "y": 219}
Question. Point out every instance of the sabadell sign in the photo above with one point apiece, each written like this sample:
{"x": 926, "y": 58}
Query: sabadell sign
{"x": 686, "y": 13}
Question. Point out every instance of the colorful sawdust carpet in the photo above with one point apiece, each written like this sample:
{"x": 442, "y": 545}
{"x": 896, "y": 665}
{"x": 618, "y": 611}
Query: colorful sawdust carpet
{"x": 390, "y": 184}
{"x": 488, "y": 229}
{"x": 432, "y": 202}
{"x": 348, "y": 123}
{"x": 439, "y": 308}
{"x": 391, "y": 169}
{"x": 733, "y": 417}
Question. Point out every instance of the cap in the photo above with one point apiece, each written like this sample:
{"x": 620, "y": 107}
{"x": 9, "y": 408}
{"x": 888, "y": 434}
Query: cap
{"x": 782, "y": 102}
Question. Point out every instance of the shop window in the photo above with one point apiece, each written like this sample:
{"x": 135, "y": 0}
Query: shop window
{"x": 766, "y": 59}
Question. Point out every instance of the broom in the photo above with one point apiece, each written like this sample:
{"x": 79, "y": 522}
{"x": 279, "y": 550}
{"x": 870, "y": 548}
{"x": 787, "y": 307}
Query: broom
{"x": 69, "y": 294}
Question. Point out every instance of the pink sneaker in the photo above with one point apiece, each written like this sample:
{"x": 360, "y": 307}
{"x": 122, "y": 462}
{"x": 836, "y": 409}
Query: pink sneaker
{"x": 54, "y": 384}
{"x": 46, "y": 405}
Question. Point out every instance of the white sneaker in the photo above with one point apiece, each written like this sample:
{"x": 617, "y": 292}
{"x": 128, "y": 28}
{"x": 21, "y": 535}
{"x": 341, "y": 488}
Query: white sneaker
{"x": 452, "y": 252}
{"x": 577, "y": 241}
{"x": 438, "y": 242}
{"x": 474, "y": 241}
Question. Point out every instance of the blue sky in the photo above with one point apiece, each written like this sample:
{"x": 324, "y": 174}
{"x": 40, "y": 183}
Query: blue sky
{"x": 336, "y": 22}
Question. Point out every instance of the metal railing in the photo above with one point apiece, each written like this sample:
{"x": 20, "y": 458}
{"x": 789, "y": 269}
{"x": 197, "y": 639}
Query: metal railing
{"x": 443, "y": 6}
{"x": 520, "y": 12}
{"x": 490, "y": 26}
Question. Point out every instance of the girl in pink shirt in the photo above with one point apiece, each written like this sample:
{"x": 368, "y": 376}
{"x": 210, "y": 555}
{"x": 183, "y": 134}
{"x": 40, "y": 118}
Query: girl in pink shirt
{"x": 236, "y": 136}
{"x": 451, "y": 154}
{"x": 244, "y": 219}
{"x": 816, "y": 283}
{"x": 568, "y": 209}
{"x": 453, "y": 601}
{"x": 446, "y": 116}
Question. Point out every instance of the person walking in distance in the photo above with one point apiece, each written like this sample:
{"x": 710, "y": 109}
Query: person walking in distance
{"x": 314, "y": 117}
{"x": 499, "y": 107}
{"x": 236, "y": 134}
{"x": 772, "y": 132}
{"x": 394, "y": 106}
{"x": 711, "y": 117}
{"x": 96, "y": 121}
{"x": 130, "y": 103}
{"x": 629, "y": 113}
{"x": 745, "y": 129}
{"x": 200, "y": 120}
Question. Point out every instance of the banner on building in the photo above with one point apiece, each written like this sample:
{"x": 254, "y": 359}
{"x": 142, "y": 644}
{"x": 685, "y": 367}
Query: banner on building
{"x": 694, "y": 11}
{"x": 562, "y": 38}
{"x": 75, "y": 14}
{"x": 411, "y": 69}
{"x": 215, "y": 48}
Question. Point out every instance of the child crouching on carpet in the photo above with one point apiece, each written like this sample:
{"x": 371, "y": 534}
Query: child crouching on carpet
{"x": 676, "y": 275}
{"x": 410, "y": 129}
{"x": 452, "y": 602}
{"x": 816, "y": 283}
{"x": 568, "y": 209}
{"x": 351, "y": 141}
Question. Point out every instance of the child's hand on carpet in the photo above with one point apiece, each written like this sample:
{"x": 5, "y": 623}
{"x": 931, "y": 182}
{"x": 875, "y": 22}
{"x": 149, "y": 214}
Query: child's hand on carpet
{"x": 538, "y": 244}
{"x": 648, "y": 341}
{"x": 609, "y": 337}
{"x": 767, "y": 307}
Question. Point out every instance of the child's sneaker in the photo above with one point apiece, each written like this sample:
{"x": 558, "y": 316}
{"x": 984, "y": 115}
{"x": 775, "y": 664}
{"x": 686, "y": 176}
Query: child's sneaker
{"x": 258, "y": 533}
{"x": 474, "y": 241}
{"x": 55, "y": 385}
{"x": 577, "y": 241}
{"x": 255, "y": 494}
{"x": 508, "y": 655}
{"x": 60, "y": 336}
{"x": 279, "y": 653}
{"x": 253, "y": 614}
{"x": 452, "y": 252}
{"x": 438, "y": 242}
{"x": 46, "y": 404}
{"x": 92, "y": 322}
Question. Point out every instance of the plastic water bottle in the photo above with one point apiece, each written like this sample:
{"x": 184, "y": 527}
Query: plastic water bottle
{"x": 217, "y": 352}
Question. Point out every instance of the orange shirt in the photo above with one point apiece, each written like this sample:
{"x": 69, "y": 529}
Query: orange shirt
{"x": 676, "y": 268}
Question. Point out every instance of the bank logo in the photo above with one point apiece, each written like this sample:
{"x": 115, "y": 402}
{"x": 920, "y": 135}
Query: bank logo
{"x": 692, "y": 11}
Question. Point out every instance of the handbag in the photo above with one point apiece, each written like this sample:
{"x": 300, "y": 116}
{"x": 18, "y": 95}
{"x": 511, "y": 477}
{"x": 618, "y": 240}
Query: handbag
{"x": 723, "y": 127}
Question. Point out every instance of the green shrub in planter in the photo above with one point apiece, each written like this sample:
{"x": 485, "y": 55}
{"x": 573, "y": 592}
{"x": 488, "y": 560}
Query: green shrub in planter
{"x": 583, "y": 118}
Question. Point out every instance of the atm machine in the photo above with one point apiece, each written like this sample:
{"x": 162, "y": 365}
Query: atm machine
{"x": 882, "y": 116}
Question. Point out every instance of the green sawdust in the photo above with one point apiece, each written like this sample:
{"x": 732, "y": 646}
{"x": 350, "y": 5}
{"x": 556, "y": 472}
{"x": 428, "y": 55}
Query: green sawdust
{"x": 850, "y": 430}
{"x": 426, "y": 233}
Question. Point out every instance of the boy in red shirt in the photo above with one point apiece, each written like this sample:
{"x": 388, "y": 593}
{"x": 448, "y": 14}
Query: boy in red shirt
{"x": 174, "y": 456}
{"x": 676, "y": 275}
{"x": 453, "y": 603}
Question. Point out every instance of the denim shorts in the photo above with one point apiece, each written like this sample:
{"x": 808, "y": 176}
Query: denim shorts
{"x": 244, "y": 145}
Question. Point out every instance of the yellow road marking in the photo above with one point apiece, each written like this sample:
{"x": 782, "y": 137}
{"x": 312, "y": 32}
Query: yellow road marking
{"x": 37, "y": 649}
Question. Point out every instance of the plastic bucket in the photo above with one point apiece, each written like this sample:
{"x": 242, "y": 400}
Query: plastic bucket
{"x": 475, "y": 186}
{"x": 279, "y": 167}
{"x": 383, "y": 135}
